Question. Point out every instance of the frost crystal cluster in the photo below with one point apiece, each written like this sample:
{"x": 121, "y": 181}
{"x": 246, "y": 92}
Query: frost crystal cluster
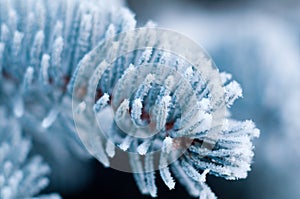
{"x": 168, "y": 113}
{"x": 20, "y": 177}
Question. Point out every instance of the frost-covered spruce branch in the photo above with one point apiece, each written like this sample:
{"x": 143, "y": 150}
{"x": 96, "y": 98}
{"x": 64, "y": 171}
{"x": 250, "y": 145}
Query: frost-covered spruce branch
{"x": 41, "y": 43}
{"x": 154, "y": 92}
{"x": 40, "y": 46}
{"x": 21, "y": 176}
